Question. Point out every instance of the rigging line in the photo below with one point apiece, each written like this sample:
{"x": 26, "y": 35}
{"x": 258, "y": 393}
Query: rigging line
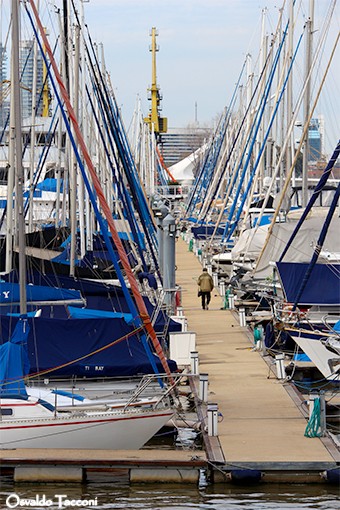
{"x": 127, "y": 163}
{"x": 319, "y": 245}
{"x": 210, "y": 154}
{"x": 164, "y": 165}
{"x": 259, "y": 81}
{"x": 290, "y": 173}
{"x": 233, "y": 175}
{"x": 260, "y": 154}
{"x": 317, "y": 191}
{"x": 230, "y": 226}
{"x": 122, "y": 192}
{"x": 143, "y": 314}
{"x": 120, "y": 139}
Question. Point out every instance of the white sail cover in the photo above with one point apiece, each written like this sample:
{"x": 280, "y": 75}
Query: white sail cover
{"x": 183, "y": 171}
{"x": 302, "y": 248}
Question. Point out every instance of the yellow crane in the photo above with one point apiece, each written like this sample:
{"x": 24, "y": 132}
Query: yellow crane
{"x": 154, "y": 120}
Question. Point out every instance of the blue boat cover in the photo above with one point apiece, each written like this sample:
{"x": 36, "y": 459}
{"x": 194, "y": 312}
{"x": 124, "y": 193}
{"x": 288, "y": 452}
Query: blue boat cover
{"x": 205, "y": 231}
{"x": 10, "y": 293}
{"x": 78, "y": 347}
{"x": 14, "y": 364}
{"x": 50, "y": 184}
{"x": 322, "y": 287}
{"x": 86, "y": 313}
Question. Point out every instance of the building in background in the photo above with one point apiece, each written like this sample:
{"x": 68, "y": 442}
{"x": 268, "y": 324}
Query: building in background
{"x": 315, "y": 139}
{"x": 26, "y": 63}
{"x": 178, "y": 143}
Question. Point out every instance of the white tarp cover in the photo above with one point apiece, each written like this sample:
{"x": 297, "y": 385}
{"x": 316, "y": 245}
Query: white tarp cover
{"x": 302, "y": 248}
{"x": 183, "y": 171}
{"x": 250, "y": 243}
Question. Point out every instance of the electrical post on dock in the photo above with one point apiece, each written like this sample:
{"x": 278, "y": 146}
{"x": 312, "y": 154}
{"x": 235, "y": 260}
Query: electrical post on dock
{"x": 194, "y": 362}
{"x": 169, "y": 255}
{"x": 212, "y": 412}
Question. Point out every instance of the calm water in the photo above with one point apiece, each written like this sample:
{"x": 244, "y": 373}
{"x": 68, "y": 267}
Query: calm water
{"x": 155, "y": 497}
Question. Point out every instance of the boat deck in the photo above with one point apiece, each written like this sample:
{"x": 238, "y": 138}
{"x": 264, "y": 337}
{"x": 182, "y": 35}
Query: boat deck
{"x": 263, "y": 421}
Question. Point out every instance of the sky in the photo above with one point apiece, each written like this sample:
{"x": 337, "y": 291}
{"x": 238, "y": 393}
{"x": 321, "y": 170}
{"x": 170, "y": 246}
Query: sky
{"x": 202, "y": 48}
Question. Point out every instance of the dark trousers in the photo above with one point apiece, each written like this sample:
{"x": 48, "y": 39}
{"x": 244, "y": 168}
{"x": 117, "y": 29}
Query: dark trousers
{"x": 205, "y": 296}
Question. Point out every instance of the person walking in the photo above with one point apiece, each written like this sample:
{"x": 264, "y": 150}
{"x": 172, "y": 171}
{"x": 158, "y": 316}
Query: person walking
{"x": 206, "y": 285}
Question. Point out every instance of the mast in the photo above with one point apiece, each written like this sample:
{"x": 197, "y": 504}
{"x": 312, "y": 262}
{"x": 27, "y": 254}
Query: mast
{"x": 19, "y": 171}
{"x": 306, "y": 108}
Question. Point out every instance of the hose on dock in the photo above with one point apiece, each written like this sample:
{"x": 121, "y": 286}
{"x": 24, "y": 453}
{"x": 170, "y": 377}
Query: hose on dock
{"x": 313, "y": 428}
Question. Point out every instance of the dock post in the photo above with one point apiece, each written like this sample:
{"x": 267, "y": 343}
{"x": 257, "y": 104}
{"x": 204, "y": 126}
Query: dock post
{"x": 280, "y": 367}
{"x": 215, "y": 279}
{"x": 222, "y": 288}
{"x": 203, "y": 389}
{"x": 169, "y": 260}
{"x": 322, "y": 413}
{"x": 212, "y": 419}
{"x": 194, "y": 362}
{"x": 242, "y": 317}
{"x": 209, "y": 268}
{"x": 231, "y": 301}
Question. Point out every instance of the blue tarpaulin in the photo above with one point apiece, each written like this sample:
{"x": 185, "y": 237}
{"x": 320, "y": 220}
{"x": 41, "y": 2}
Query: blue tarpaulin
{"x": 322, "y": 287}
{"x": 53, "y": 343}
{"x": 10, "y": 293}
{"x": 91, "y": 313}
{"x": 14, "y": 363}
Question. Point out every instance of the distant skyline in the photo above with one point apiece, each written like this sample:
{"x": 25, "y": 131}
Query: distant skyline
{"x": 203, "y": 45}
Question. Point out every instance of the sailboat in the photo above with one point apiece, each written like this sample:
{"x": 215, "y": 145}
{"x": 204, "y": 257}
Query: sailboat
{"x": 312, "y": 300}
{"x": 31, "y": 422}
{"x": 28, "y": 421}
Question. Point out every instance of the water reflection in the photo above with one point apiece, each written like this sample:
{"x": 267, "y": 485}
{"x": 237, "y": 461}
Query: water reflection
{"x": 183, "y": 497}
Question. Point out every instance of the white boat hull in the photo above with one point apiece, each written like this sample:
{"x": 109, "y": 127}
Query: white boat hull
{"x": 113, "y": 431}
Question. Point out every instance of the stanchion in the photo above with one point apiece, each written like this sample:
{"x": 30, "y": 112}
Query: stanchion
{"x": 203, "y": 389}
{"x": 280, "y": 367}
{"x": 194, "y": 362}
{"x": 323, "y": 413}
{"x": 231, "y": 301}
{"x": 212, "y": 411}
{"x": 179, "y": 312}
{"x": 242, "y": 317}
{"x": 215, "y": 279}
{"x": 222, "y": 288}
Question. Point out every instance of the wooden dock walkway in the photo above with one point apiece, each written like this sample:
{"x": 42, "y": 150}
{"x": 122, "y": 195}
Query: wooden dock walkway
{"x": 262, "y": 424}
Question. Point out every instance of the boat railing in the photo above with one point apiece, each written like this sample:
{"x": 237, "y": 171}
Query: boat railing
{"x": 167, "y": 391}
{"x": 288, "y": 312}
{"x": 333, "y": 318}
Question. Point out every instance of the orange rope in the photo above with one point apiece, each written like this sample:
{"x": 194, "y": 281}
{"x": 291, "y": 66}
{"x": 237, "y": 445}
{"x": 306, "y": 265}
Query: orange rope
{"x": 102, "y": 200}
{"x": 164, "y": 165}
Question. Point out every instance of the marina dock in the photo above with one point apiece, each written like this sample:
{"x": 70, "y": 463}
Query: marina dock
{"x": 261, "y": 420}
